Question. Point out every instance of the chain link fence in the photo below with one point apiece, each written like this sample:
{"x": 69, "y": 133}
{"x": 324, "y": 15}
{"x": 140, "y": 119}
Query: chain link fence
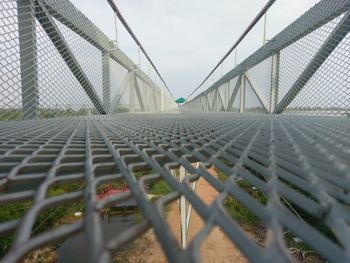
{"x": 56, "y": 63}
{"x": 290, "y": 172}
{"x": 302, "y": 70}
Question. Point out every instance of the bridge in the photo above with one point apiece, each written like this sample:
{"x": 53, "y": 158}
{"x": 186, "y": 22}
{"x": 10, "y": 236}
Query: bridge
{"x": 74, "y": 108}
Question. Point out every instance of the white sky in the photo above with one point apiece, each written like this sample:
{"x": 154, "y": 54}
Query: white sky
{"x": 186, "y": 38}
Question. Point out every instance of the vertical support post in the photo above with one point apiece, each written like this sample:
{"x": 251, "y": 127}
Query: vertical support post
{"x": 264, "y": 33}
{"x": 138, "y": 93}
{"x": 173, "y": 172}
{"x": 217, "y": 99}
{"x": 51, "y": 29}
{"x": 132, "y": 91}
{"x": 242, "y": 94}
{"x": 275, "y": 68}
{"x": 106, "y": 81}
{"x": 208, "y": 103}
{"x": 28, "y": 58}
{"x": 157, "y": 102}
{"x": 194, "y": 185}
{"x": 162, "y": 99}
{"x": 183, "y": 212}
{"x": 147, "y": 92}
{"x": 227, "y": 99}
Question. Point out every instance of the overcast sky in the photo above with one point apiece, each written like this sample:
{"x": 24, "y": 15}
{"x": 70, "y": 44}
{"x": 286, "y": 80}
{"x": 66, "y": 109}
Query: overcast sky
{"x": 186, "y": 38}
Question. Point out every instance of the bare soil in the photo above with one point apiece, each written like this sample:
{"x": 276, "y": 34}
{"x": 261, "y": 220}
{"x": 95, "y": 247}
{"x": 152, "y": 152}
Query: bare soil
{"x": 42, "y": 255}
{"x": 215, "y": 248}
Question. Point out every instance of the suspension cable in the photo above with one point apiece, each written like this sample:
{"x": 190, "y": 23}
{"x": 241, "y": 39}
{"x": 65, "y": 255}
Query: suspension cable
{"x": 127, "y": 27}
{"x": 250, "y": 26}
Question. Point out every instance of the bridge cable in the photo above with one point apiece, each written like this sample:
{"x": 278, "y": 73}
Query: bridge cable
{"x": 250, "y": 26}
{"x": 127, "y": 27}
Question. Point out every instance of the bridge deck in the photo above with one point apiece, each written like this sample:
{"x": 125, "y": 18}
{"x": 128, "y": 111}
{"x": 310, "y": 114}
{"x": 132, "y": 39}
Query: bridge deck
{"x": 303, "y": 159}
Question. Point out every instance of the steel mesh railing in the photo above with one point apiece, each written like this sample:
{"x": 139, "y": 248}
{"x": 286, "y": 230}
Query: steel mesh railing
{"x": 302, "y": 70}
{"x": 303, "y": 160}
{"x": 55, "y": 62}
{"x": 300, "y": 164}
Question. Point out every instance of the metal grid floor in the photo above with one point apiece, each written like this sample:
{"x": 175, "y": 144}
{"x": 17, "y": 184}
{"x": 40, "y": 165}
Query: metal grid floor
{"x": 299, "y": 159}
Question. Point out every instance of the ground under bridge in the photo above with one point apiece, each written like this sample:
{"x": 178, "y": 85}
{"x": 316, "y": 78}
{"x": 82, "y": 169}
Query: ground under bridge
{"x": 278, "y": 122}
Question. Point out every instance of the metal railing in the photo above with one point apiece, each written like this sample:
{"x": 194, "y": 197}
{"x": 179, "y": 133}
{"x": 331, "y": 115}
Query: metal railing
{"x": 56, "y": 62}
{"x": 298, "y": 164}
{"x": 297, "y": 160}
{"x": 302, "y": 70}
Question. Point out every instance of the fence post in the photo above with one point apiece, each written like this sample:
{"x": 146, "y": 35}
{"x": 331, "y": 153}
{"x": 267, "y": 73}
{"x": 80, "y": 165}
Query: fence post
{"x": 183, "y": 212}
{"x": 106, "y": 81}
{"x": 227, "y": 99}
{"x": 162, "y": 99}
{"x": 28, "y": 58}
{"x": 132, "y": 91}
{"x": 275, "y": 68}
{"x": 242, "y": 95}
{"x": 217, "y": 99}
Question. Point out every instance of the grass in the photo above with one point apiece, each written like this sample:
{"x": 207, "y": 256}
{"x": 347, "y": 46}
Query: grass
{"x": 238, "y": 211}
{"x": 8, "y": 213}
{"x": 250, "y": 222}
{"x": 47, "y": 219}
{"x": 159, "y": 188}
{"x": 16, "y": 114}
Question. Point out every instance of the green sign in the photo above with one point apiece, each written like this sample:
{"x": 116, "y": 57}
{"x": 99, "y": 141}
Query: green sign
{"x": 180, "y": 100}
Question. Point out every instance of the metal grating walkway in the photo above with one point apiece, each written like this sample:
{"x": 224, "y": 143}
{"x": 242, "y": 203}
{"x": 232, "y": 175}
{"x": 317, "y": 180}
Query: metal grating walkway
{"x": 303, "y": 159}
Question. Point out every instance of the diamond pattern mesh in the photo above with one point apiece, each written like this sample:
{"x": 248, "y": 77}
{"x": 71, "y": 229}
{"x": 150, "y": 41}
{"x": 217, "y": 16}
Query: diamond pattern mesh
{"x": 302, "y": 70}
{"x": 55, "y": 62}
{"x": 298, "y": 164}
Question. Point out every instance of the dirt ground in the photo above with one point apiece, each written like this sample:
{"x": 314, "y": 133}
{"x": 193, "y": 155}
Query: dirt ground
{"x": 216, "y": 248}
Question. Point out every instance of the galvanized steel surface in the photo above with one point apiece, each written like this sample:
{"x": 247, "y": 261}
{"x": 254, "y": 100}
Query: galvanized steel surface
{"x": 56, "y": 63}
{"x": 303, "y": 159}
{"x": 302, "y": 70}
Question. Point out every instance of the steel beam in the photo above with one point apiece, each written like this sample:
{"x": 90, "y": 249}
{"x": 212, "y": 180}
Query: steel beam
{"x": 28, "y": 58}
{"x": 162, "y": 99}
{"x": 148, "y": 96}
{"x": 203, "y": 106}
{"x": 234, "y": 93}
{"x": 67, "y": 14}
{"x": 132, "y": 91}
{"x": 222, "y": 102}
{"x": 297, "y": 164}
{"x": 51, "y": 29}
{"x": 189, "y": 213}
{"x": 106, "y": 81}
{"x": 118, "y": 96}
{"x": 242, "y": 95}
{"x": 257, "y": 91}
{"x": 317, "y": 16}
{"x": 207, "y": 106}
{"x": 227, "y": 99}
{"x": 337, "y": 35}
{"x": 138, "y": 92}
{"x": 275, "y": 71}
{"x": 214, "y": 99}
{"x": 183, "y": 212}
{"x": 156, "y": 101}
